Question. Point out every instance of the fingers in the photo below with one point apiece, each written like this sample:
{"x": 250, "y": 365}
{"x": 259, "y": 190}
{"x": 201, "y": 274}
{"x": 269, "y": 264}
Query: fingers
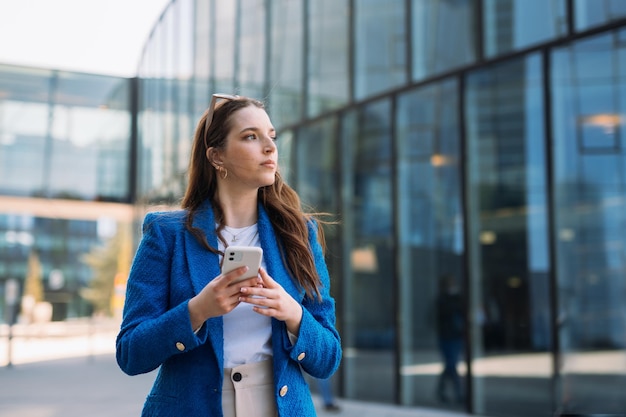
{"x": 268, "y": 282}
{"x": 269, "y": 298}
{"x": 234, "y": 278}
{"x": 222, "y": 294}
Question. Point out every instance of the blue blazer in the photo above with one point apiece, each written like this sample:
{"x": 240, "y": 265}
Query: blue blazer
{"x": 169, "y": 268}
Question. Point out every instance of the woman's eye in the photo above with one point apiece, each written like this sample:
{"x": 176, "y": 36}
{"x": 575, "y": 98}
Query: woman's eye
{"x": 275, "y": 138}
{"x": 251, "y": 136}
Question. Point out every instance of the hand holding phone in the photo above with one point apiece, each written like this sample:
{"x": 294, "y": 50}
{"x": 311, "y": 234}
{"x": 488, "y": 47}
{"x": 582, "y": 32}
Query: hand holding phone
{"x": 238, "y": 256}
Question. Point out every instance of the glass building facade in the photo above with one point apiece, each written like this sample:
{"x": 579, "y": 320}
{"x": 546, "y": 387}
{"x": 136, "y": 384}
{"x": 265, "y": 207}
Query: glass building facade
{"x": 65, "y": 181}
{"x": 471, "y": 150}
{"x": 473, "y": 141}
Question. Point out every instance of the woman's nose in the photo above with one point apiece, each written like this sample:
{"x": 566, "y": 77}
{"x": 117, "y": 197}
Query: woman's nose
{"x": 270, "y": 145}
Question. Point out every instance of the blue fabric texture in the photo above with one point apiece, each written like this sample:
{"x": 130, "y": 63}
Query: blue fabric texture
{"x": 169, "y": 268}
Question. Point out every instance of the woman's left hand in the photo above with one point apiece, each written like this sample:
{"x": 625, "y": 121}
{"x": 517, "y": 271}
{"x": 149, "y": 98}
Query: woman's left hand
{"x": 272, "y": 300}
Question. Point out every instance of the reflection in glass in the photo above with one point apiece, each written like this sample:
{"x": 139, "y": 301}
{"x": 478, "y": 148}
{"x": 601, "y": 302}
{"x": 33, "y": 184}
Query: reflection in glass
{"x": 80, "y": 121}
{"x": 224, "y": 68}
{"x": 431, "y": 247}
{"x": 590, "y": 13}
{"x": 286, "y": 61}
{"x": 316, "y": 166}
{"x": 45, "y": 252}
{"x": 380, "y": 46}
{"x": 251, "y": 46}
{"x": 589, "y": 85}
{"x": 443, "y": 35}
{"x": 368, "y": 219}
{"x": 201, "y": 89}
{"x": 328, "y": 55}
{"x": 182, "y": 94}
{"x": 510, "y": 25}
{"x": 317, "y": 175}
{"x": 508, "y": 251}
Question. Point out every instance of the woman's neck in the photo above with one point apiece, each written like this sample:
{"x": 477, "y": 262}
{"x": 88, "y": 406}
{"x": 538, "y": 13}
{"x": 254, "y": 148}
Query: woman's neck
{"x": 239, "y": 210}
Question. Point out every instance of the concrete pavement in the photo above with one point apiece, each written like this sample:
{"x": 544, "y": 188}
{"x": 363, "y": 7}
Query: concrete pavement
{"x": 66, "y": 375}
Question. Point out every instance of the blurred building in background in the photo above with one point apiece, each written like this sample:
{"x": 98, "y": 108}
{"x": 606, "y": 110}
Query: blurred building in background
{"x": 480, "y": 141}
{"x": 66, "y": 182}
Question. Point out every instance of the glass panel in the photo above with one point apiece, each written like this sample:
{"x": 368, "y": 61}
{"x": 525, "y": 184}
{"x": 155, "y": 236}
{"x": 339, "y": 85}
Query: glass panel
{"x": 515, "y": 24}
{"x": 590, "y": 13}
{"x": 443, "y": 35}
{"x": 369, "y": 335}
{"x": 184, "y": 125}
{"x": 316, "y": 166}
{"x": 48, "y": 258}
{"x": 23, "y": 127}
{"x": 153, "y": 120}
{"x": 380, "y": 46}
{"x": 328, "y": 61}
{"x": 508, "y": 251}
{"x": 431, "y": 247}
{"x": 224, "y": 69}
{"x": 62, "y": 135}
{"x": 252, "y": 48}
{"x": 203, "y": 34}
{"x": 183, "y": 37}
{"x": 589, "y": 85}
{"x": 80, "y": 121}
{"x": 317, "y": 174}
{"x": 285, "y": 146}
{"x": 286, "y": 61}
{"x": 166, "y": 27}
{"x": 149, "y": 164}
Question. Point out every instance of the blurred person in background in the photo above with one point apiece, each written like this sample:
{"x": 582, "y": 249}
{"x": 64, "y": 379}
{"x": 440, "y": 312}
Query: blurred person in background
{"x": 328, "y": 398}
{"x": 450, "y": 328}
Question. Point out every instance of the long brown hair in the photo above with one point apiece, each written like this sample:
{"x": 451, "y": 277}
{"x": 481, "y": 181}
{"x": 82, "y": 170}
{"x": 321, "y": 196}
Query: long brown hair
{"x": 281, "y": 202}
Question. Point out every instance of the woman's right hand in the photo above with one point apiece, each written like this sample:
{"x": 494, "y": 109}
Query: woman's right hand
{"x": 219, "y": 296}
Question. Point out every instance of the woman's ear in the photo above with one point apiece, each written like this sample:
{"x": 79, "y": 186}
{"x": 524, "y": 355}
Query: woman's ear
{"x": 213, "y": 157}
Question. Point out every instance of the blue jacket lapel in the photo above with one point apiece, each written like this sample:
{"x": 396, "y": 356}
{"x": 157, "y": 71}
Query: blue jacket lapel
{"x": 204, "y": 266}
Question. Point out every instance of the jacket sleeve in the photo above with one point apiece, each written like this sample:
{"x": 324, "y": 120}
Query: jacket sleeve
{"x": 318, "y": 338}
{"x": 152, "y": 330}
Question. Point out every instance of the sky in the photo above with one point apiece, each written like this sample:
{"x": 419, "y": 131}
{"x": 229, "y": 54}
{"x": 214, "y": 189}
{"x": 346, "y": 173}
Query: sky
{"x": 92, "y": 36}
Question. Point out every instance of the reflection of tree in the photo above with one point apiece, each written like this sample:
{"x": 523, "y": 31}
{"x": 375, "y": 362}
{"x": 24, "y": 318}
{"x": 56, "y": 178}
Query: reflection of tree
{"x": 105, "y": 262}
{"x": 33, "y": 286}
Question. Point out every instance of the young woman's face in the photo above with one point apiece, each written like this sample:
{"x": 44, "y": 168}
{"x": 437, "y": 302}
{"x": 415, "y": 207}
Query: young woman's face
{"x": 250, "y": 154}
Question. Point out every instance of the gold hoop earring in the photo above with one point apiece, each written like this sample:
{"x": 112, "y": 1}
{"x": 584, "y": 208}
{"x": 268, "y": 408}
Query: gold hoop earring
{"x": 223, "y": 172}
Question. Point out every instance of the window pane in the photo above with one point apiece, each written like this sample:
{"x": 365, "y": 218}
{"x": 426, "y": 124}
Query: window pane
{"x": 443, "y": 35}
{"x": 286, "y": 61}
{"x": 203, "y": 32}
{"x": 317, "y": 176}
{"x": 224, "y": 57}
{"x": 590, "y": 13}
{"x": 328, "y": 78}
{"x": 431, "y": 247}
{"x": 380, "y": 50}
{"x": 516, "y": 24}
{"x": 589, "y": 85}
{"x": 184, "y": 125}
{"x": 368, "y": 279}
{"x": 75, "y": 120}
{"x": 508, "y": 250}
{"x": 252, "y": 48}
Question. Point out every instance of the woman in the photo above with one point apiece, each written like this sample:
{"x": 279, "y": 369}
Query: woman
{"x": 229, "y": 349}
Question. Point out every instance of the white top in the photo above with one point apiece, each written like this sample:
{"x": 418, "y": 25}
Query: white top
{"x": 247, "y": 335}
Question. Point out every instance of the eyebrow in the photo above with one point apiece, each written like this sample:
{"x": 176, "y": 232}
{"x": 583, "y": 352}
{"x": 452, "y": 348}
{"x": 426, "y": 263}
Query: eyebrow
{"x": 255, "y": 129}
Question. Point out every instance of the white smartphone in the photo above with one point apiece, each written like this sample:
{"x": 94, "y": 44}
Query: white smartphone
{"x": 237, "y": 256}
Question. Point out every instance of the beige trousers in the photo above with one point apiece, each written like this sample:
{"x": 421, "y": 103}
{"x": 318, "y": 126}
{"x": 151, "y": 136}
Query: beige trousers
{"x": 248, "y": 391}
